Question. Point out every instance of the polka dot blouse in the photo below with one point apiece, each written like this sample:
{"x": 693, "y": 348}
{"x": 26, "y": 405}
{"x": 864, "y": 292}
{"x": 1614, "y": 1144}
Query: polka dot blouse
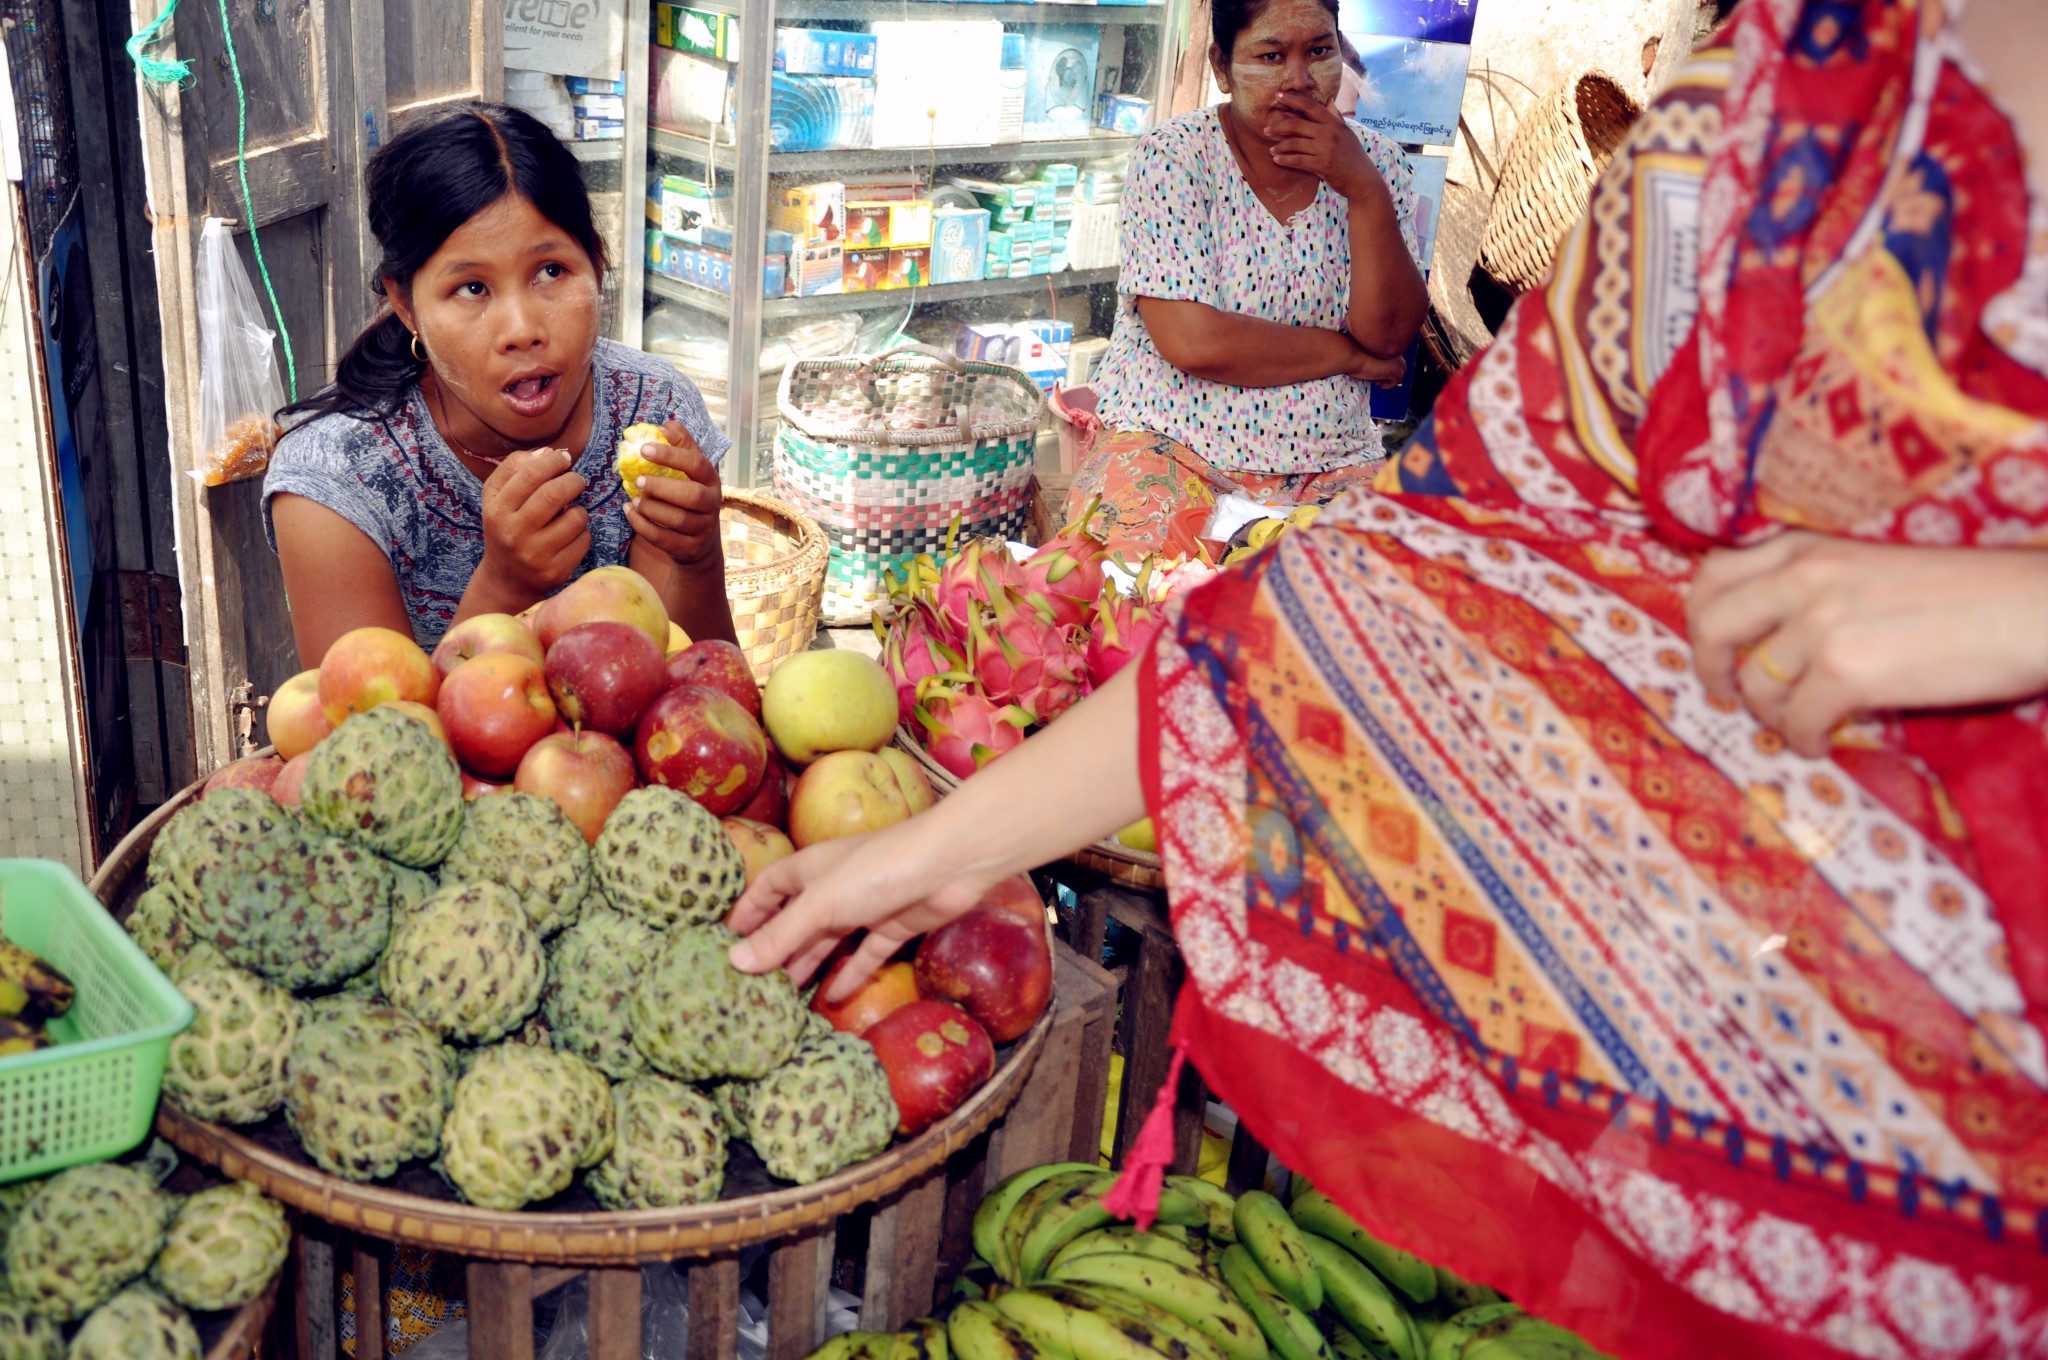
{"x": 1194, "y": 231}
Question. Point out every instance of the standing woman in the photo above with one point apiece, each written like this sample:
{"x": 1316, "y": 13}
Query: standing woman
{"x": 1268, "y": 281}
{"x": 461, "y": 461}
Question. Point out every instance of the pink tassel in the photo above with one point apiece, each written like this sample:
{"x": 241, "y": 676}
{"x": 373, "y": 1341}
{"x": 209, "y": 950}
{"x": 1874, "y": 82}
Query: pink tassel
{"x": 1136, "y": 1193}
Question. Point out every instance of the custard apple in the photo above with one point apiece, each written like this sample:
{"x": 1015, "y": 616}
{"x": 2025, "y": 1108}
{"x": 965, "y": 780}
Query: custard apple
{"x": 816, "y": 1026}
{"x": 467, "y": 963}
{"x": 83, "y": 1235}
{"x": 524, "y": 1119}
{"x": 671, "y": 1148}
{"x": 136, "y": 1324}
{"x": 25, "y": 1335}
{"x": 387, "y": 783}
{"x": 367, "y": 1088}
{"x": 228, "y": 1065}
{"x": 225, "y": 1245}
{"x": 666, "y": 861}
{"x": 592, "y": 967}
{"x": 729, "y": 1098}
{"x": 696, "y": 1017}
{"x": 302, "y": 910}
{"x": 827, "y": 1108}
{"x": 205, "y": 835}
{"x": 524, "y": 842}
{"x": 409, "y": 888}
{"x": 156, "y": 923}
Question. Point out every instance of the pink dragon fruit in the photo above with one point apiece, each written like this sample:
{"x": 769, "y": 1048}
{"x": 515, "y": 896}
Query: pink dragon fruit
{"x": 1124, "y": 627}
{"x": 918, "y": 644}
{"x": 1022, "y": 657}
{"x": 962, "y": 584}
{"x": 1181, "y": 577}
{"x": 1064, "y": 577}
{"x": 964, "y": 730}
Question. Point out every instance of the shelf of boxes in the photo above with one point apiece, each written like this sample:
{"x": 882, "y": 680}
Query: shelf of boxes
{"x": 931, "y": 295}
{"x": 787, "y": 11}
{"x": 692, "y": 150}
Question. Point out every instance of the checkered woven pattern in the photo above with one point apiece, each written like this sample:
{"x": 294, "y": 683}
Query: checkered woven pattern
{"x": 775, "y": 562}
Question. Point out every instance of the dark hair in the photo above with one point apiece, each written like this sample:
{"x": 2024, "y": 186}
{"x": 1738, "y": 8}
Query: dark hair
{"x": 1229, "y": 18}
{"x": 443, "y": 167}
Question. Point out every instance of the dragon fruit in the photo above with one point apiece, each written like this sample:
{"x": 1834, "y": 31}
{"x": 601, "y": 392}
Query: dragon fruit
{"x": 1065, "y": 577}
{"x": 1022, "y": 657}
{"x": 961, "y": 587}
{"x": 1124, "y": 627}
{"x": 965, "y": 730}
{"x": 918, "y": 644}
{"x": 1182, "y": 577}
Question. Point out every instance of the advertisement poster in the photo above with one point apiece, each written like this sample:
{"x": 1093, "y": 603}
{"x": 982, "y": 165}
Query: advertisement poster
{"x": 1442, "y": 21}
{"x": 566, "y": 37}
{"x": 1411, "y": 90}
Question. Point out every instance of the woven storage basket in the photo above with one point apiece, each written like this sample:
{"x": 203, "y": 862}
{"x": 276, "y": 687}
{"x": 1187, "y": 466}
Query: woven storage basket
{"x": 1560, "y": 150}
{"x": 887, "y": 453}
{"x": 774, "y": 573}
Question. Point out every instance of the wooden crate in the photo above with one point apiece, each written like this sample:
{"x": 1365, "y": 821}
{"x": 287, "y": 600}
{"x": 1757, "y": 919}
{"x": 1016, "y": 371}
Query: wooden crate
{"x": 904, "y": 1251}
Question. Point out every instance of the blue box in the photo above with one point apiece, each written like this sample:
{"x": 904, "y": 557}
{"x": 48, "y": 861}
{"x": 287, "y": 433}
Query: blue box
{"x": 612, "y": 106}
{"x": 1059, "y": 79}
{"x": 707, "y": 268}
{"x": 720, "y": 238}
{"x": 959, "y": 244}
{"x": 824, "y": 52}
{"x": 586, "y": 85}
{"x": 1123, "y": 113}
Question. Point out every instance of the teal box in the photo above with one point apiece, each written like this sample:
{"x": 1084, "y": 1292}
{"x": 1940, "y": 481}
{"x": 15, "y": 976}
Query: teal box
{"x": 1000, "y": 245}
{"x": 959, "y": 244}
{"x": 1062, "y": 175}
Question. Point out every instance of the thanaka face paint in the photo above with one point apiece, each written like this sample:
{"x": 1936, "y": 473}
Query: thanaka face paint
{"x": 1291, "y": 46}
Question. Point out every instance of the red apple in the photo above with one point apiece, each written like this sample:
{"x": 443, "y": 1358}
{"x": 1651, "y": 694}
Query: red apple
{"x": 844, "y": 793}
{"x": 431, "y": 717}
{"x": 250, "y": 772}
{"x": 892, "y": 987}
{"x": 720, "y": 665}
{"x": 586, "y": 773}
{"x": 495, "y": 706}
{"x": 618, "y": 594}
{"x": 994, "y": 965}
{"x": 917, "y": 788}
{"x": 291, "y": 778}
{"x": 699, "y": 742}
{"x": 935, "y": 1055}
{"x": 370, "y": 666}
{"x": 1017, "y": 896}
{"x": 293, "y": 717}
{"x": 770, "y": 804}
{"x": 474, "y": 788}
{"x": 603, "y": 675}
{"x": 482, "y": 634}
{"x": 759, "y": 844}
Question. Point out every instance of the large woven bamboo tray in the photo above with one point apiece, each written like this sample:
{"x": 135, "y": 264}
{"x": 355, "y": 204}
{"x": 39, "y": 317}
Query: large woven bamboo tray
{"x": 570, "y": 1230}
{"x": 242, "y": 1338}
{"x": 1138, "y": 870}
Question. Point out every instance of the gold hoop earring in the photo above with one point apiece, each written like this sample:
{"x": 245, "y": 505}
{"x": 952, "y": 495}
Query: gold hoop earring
{"x": 419, "y": 353}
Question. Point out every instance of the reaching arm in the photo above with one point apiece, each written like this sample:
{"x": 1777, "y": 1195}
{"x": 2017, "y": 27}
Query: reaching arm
{"x": 335, "y": 578}
{"x": 1073, "y": 783}
{"x": 1246, "y": 351}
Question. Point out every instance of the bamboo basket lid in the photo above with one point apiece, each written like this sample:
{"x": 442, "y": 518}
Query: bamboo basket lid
{"x": 568, "y": 1238}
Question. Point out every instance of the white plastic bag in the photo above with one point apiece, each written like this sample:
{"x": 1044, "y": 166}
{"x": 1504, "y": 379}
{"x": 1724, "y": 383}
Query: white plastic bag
{"x": 238, "y": 383}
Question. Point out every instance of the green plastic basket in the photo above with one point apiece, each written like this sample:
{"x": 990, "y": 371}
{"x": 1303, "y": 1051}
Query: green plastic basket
{"x": 92, "y": 1094}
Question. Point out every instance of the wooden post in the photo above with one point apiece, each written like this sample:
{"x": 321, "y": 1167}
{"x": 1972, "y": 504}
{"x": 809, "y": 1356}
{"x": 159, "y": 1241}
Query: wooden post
{"x": 903, "y": 1250}
{"x": 714, "y": 1288}
{"x": 367, "y": 1267}
{"x": 500, "y": 1310}
{"x": 967, "y": 1180}
{"x": 1146, "y": 1032}
{"x": 317, "y": 1297}
{"x": 799, "y": 1271}
{"x": 1247, "y": 1162}
{"x": 615, "y": 1314}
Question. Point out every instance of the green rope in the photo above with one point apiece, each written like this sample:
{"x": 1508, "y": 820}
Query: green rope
{"x": 176, "y": 72}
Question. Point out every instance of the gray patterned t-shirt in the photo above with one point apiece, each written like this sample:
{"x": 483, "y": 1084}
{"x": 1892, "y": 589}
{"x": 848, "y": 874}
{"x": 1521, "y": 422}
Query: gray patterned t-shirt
{"x": 397, "y": 480}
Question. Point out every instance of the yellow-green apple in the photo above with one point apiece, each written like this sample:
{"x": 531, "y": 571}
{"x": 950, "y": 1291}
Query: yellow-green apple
{"x": 770, "y": 803}
{"x": 614, "y": 594}
{"x": 917, "y": 789}
{"x": 698, "y": 742}
{"x": 586, "y": 773}
{"x": 293, "y": 717}
{"x": 495, "y": 706}
{"x": 759, "y": 844}
{"x": 993, "y": 965}
{"x": 892, "y": 987}
{"x": 677, "y": 640}
{"x": 480, "y": 634}
{"x": 250, "y": 772}
{"x": 421, "y": 712}
{"x": 935, "y": 1055}
{"x": 844, "y": 793}
{"x": 817, "y": 702}
{"x": 722, "y": 666}
{"x": 474, "y": 788}
{"x": 291, "y": 778}
{"x": 603, "y": 675}
{"x": 370, "y": 666}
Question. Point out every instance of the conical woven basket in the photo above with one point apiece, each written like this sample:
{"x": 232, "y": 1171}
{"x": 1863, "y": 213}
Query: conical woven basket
{"x": 1562, "y": 147}
{"x": 774, "y": 576}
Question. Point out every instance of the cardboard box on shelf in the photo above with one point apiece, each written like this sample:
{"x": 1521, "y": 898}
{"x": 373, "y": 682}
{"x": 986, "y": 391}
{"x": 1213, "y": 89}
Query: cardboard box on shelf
{"x": 820, "y": 113}
{"x": 817, "y": 269}
{"x": 959, "y": 244}
{"x": 598, "y": 105}
{"x": 824, "y": 52}
{"x": 933, "y": 82}
{"x": 815, "y": 214}
{"x": 1010, "y": 80}
{"x": 718, "y": 236}
{"x": 690, "y": 94}
{"x": 866, "y": 271}
{"x": 1059, "y": 79}
{"x": 579, "y": 85}
{"x": 680, "y": 207}
{"x": 1092, "y": 239}
{"x": 1123, "y": 113}
{"x": 892, "y": 225}
{"x": 701, "y": 31}
{"x": 910, "y": 267}
{"x": 993, "y": 194}
{"x": 599, "y": 130}
{"x": 710, "y": 269}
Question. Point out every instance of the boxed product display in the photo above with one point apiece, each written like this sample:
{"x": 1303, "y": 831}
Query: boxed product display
{"x": 711, "y": 269}
{"x": 1059, "y": 79}
{"x": 813, "y": 213}
{"x": 910, "y": 267}
{"x": 824, "y": 52}
{"x": 1010, "y": 90}
{"x": 888, "y": 224}
{"x": 991, "y": 194}
{"x": 817, "y": 269}
{"x": 680, "y": 207}
{"x": 600, "y": 130}
{"x": 932, "y": 82}
{"x": 866, "y": 271}
{"x": 698, "y": 31}
{"x": 1123, "y": 113}
{"x": 820, "y": 113}
{"x": 1084, "y": 359}
{"x": 690, "y": 94}
{"x": 719, "y": 237}
{"x": 1092, "y": 240}
{"x": 959, "y": 244}
{"x": 579, "y": 85}
{"x": 612, "y": 106}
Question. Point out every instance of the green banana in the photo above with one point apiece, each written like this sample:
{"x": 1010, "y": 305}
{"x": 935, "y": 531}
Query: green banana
{"x": 1095, "y": 1329}
{"x": 856, "y": 1346}
{"x": 1345, "y": 1346}
{"x": 977, "y": 1281}
{"x": 1193, "y": 1297}
{"x": 1461, "y": 1294}
{"x": 1178, "y": 1208}
{"x": 1008, "y": 1260}
{"x": 1192, "y": 1344}
{"x": 1269, "y": 1235}
{"x": 1520, "y": 1345}
{"x": 997, "y": 1205}
{"x": 1363, "y": 1300}
{"x": 31, "y": 988}
{"x": 1297, "y": 1186}
{"x": 976, "y": 1331}
{"x": 1293, "y": 1333}
{"x": 1316, "y": 1212}
{"x": 1460, "y": 1328}
{"x": 1128, "y": 1241}
{"x": 1078, "y": 1211}
{"x": 933, "y": 1334}
{"x": 1217, "y": 1202}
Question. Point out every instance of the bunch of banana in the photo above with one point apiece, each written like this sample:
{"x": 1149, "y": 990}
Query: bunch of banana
{"x": 1261, "y": 532}
{"x": 32, "y": 993}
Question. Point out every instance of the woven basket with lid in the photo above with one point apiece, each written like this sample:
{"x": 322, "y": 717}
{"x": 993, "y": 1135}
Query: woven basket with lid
{"x": 1561, "y": 148}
